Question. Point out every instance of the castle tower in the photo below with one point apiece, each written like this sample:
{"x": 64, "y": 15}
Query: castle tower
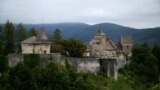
{"x": 42, "y": 35}
{"x": 101, "y": 46}
{"x": 39, "y": 44}
{"x": 126, "y": 43}
{"x": 100, "y": 36}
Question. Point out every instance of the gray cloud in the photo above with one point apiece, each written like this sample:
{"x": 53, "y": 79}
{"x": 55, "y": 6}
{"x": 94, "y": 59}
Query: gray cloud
{"x": 133, "y": 13}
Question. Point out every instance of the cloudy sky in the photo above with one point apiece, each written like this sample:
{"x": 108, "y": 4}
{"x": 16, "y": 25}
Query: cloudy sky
{"x": 132, "y": 13}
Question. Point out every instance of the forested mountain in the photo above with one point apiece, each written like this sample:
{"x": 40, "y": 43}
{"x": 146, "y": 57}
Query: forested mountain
{"x": 85, "y": 32}
{"x": 150, "y": 35}
{"x": 141, "y": 73}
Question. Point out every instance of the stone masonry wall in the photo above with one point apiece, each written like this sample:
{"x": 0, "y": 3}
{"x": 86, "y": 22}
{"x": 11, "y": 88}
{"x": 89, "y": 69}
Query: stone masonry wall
{"x": 93, "y": 65}
{"x": 81, "y": 64}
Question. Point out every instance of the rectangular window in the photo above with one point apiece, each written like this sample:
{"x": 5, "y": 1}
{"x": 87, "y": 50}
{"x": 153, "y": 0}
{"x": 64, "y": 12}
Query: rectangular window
{"x": 44, "y": 51}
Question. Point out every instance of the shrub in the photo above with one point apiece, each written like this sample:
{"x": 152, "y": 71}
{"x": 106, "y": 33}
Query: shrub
{"x": 32, "y": 60}
{"x": 3, "y": 63}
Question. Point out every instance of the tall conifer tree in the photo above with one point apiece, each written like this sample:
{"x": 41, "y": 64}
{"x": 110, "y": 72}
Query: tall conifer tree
{"x": 56, "y": 37}
{"x": 1, "y": 41}
{"x": 32, "y": 32}
{"x": 21, "y": 34}
{"x": 9, "y": 42}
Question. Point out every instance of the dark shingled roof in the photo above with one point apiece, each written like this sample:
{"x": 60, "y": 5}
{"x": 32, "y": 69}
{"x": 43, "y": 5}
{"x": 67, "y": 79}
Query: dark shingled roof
{"x": 29, "y": 40}
{"x": 110, "y": 45}
{"x": 40, "y": 38}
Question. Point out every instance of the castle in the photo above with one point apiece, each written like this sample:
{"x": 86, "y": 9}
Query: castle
{"x": 101, "y": 46}
{"x": 101, "y": 54}
{"x": 39, "y": 44}
{"x": 112, "y": 56}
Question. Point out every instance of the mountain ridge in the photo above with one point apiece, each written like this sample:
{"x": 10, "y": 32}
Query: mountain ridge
{"x": 85, "y": 32}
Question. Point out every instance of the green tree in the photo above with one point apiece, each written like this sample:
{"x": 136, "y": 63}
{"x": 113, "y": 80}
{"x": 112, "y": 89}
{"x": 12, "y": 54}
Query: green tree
{"x": 1, "y": 48}
{"x": 56, "y": 46}
{"x": 57, "y": 77}
{"x": 21, "y": 34}
{"x": 32, "y": 32}
{"x": 156, "y": 52}
{"x": 4, "y": 82}
{"x": 56, "y": 37}
{"x": 20, "y": 78}
{"x": 53, "y": 77}
{"x": 1, "y": 41}
{"x": 9, "y": 36}
{"x": 74, "y": 47}
{"x": 32, "y": 60}
{"x": 3, "y": 63}
{"x": 144, "y": 66}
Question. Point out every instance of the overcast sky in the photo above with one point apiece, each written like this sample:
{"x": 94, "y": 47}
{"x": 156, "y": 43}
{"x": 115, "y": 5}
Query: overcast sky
{"x": 132, "y": 13}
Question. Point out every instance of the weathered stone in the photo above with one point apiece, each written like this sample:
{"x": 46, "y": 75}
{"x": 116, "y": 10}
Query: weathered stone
{"x": 112, "y": 56}
{"x": 39, "y": 44}
{"x": 102, "y": 54}
{"x": 93, "y": 65}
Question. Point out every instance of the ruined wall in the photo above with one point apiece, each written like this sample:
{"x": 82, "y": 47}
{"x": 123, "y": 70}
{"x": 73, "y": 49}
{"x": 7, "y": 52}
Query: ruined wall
{"x": 27, "y": 48}
{"x": 109, "y": 67}
{"x": 112, "y": 65}
{"x": 121, "y": 61}
{"x": 13, "y": 59}
{"x": 127, "y": 49}
{"x": 93, "y": 65}
{"x": 81, "y": 64}
{"x": 42, "y": 48}
{"x": 36, "y": 48}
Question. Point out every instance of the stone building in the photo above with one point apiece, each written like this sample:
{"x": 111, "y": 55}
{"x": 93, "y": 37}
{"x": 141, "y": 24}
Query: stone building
{"x": 102, "y": 53}
{"x": 112, "y": 56}
{"x": 126, "y": 45}
{"x": 101, "y": 46}
{"x": 39, "y": 44}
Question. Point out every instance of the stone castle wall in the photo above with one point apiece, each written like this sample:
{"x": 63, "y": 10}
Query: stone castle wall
{"x": 81, "y": 64}
{"x": 93, "y": 65}
{"x": 108, "y": 66}
{"x": 13, "y": 59}
{"x": 36, "y": 48}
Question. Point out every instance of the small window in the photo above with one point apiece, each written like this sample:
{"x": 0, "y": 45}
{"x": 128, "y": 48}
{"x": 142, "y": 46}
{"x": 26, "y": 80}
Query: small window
{"x": 44, "y": 51}
{"x": 127, "y": 46}
{"x": 97, "y": 43}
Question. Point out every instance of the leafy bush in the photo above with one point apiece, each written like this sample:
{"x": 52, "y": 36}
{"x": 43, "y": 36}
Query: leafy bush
{"x": 32, "y": 60}
{"x": 3, "y": 64}
{"x": 53, "y": 77}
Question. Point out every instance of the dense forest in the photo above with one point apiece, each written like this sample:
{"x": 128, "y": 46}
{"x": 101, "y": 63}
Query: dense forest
{"x": 143, "y": 72}
{"x": 11, "y": 36}
{"x": 85, "y": 32}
